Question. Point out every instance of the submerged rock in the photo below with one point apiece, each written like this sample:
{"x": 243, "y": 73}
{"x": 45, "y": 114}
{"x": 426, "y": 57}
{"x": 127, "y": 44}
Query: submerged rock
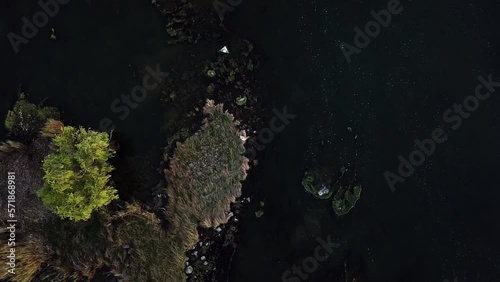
{"x": 241, "y": 100}
{"x": 322, "y": 183}
{"x": 346, "y": 199}
{"x": 260, "y": 212}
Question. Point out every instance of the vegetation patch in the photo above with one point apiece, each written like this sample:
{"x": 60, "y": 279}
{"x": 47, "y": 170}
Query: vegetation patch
{"x": 322, "y": 185}
{"x": 77, "y": 173}
{"x": 317, "y": 188}
{"x": 30, "y": 257}
{"x": 203, "y": 180}
{"x": 25, "y": 120}
{"x": 345, "y": 199}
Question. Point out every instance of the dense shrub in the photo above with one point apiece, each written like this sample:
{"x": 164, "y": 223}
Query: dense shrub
{"x": 26, "y": 119}
{"x": 77, "y": 173}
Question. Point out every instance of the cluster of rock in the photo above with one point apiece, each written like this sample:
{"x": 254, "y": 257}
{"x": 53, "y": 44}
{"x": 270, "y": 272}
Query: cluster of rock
{"x": 322, "y": 184}
{"x": 186, "y": 23}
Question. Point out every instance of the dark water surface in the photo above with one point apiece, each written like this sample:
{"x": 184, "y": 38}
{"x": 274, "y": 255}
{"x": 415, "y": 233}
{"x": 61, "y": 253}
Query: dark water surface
{"x": 441, "y": 223}
{"x": 92, "y": 63}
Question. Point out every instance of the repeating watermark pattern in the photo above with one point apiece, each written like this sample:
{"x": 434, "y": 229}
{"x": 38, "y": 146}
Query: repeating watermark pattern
{"x": 266, "y": 135}
{"x": 310, "y": 264}
{"x": 11, "y": 229}
{"x": 372, "y": 29}
{"x": 123, "y": 106}
{"x": 222, "y": 7}
{"x": 427, "y": 147}
{"x": 40, "y": 19}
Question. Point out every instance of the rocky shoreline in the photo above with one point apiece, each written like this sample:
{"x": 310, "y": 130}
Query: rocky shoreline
{"x": 227, "y": 78}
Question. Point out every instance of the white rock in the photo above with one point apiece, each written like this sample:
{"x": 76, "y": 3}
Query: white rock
{"x": 189, "y": 270}
{"x": 323, "y": 191}
{"x": 224, "y": 50}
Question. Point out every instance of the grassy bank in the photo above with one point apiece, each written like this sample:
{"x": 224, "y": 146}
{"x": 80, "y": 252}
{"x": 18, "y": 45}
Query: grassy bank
{"x": 203, "y": 180}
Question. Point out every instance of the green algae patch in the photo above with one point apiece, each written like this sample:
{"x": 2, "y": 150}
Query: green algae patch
{"x": 241, "y": 100}
{"x": 346, "y": 199}
{"x": 260, "y": 212}
{"x": 211, "y": 73}
{"x": 323, "y": 182}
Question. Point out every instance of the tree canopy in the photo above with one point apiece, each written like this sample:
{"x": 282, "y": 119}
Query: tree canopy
{"x": 77, "y": 174}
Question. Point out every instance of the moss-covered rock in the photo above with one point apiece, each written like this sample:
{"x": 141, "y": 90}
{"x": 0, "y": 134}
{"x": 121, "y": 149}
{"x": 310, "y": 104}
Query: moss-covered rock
{"x": 241, "y": 100}
{"x": 323, "y": 182}
{"x": 345, "y": 199}
{"x": 315, "y": 186}
{"x": 260, "y": 212}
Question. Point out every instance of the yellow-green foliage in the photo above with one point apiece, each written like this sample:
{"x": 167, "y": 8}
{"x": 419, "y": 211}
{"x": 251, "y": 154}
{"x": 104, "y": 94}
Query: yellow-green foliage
{"x": 26, "y": 119}
{"x": 77, "y": 174}
{"x": 204, "y": 179}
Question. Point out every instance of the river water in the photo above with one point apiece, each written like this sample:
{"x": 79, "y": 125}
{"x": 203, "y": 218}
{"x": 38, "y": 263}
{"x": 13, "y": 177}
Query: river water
{"x": 91, "y": 64}
{"x": 439, "y": 224}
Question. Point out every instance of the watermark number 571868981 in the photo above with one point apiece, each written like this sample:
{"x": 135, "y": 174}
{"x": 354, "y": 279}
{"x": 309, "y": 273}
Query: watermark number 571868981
{"x": 11, "y": 213}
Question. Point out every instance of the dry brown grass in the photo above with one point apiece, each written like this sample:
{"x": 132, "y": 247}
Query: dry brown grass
{"x": 203, "y": 180}
{"x": 52, "y": 128}
{"x": 207, "y": 169}
{"x": 129, "y": 242}
{"x": 78, "y": 248}
{"x": 30, "y": 256}
{"x": 9, "y": 147}
{"x": 140, "y": 248}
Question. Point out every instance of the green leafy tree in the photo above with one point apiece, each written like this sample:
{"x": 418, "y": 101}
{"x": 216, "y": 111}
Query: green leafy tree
{"x": 77, "y": 174}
